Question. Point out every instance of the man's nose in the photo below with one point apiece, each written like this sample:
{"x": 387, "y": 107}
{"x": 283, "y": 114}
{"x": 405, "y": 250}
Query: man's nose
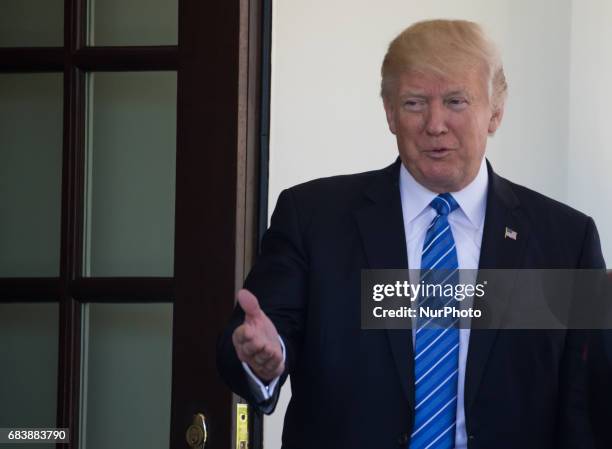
{"x": 436, "y": 120}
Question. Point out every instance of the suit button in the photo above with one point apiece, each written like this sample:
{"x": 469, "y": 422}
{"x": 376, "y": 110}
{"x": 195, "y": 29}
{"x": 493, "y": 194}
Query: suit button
{"x": 471, "y": 437}
{"x": 403, "y": 439}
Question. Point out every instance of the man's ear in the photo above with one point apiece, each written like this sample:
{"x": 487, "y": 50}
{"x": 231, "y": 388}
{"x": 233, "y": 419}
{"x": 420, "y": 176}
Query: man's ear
{"x": 496, "y": 119}
{"x": 390, "y": 113}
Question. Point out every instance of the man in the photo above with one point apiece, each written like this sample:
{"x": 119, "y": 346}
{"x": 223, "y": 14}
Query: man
{"x": 443, "y": 90}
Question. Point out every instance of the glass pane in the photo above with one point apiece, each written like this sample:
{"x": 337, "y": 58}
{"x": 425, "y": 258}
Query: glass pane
{"x": 133, "y": 22}
{"x": 126, "y": 377}
{"x": 130, "y": 180}
{"x": 31, "y": 23}
{"x": 29, "y": 339}
{"x": 30, "y": 174}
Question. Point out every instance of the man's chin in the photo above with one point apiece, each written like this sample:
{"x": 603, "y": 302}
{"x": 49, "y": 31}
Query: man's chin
{"x": 441, "y": 180}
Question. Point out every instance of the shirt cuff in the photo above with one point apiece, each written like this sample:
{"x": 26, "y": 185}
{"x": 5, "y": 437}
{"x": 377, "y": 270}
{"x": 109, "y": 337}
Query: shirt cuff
{"x": 262, "y": 392}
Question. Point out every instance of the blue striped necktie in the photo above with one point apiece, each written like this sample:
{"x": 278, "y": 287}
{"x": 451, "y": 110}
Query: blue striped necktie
{"x": 436, "y": 349}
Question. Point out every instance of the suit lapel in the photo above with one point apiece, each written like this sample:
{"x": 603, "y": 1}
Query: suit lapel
{"x": 497, "y": 252}
{"x": 381, "y": 226}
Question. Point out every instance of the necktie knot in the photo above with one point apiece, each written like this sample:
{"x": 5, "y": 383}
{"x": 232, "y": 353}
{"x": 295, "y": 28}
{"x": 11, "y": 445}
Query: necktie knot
{"x": 444, "y": 204}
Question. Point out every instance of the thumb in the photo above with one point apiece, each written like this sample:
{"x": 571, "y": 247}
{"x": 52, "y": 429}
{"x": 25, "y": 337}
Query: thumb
{"x": 248, "y": 302}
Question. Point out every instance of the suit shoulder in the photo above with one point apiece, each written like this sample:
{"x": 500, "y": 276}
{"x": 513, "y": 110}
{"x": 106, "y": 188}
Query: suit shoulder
{"x": 333, "y": 199}
{"x": 337, "y": 189}
{"x": 539, "y": 205}
{"x": 568, "y": 236}
{"x": 338, "y": 181}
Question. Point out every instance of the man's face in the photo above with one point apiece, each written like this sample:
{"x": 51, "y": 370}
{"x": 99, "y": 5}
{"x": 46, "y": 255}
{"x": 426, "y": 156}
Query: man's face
{"x": 441, "y": 125}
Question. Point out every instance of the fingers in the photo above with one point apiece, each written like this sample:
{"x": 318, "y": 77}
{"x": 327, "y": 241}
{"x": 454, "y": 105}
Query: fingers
{"x": 254, "y": 346}
{"x": 273, "y": 364}
{"x": 248, "y": 302}
{"x": 269, "y": 371}
{"x": 265, "y": 357}
{"x": 267, "y": 365}
{"x": 256, "y": 340}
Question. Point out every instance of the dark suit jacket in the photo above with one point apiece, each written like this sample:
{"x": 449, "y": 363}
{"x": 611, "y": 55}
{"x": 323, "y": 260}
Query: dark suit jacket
{"x": 600, "y": 387}
{"x": 354, "y": 388}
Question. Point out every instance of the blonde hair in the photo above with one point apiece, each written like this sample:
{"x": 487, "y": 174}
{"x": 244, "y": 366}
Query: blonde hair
{"x": 444, "y": 47}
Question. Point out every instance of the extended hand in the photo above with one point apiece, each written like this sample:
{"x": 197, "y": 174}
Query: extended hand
{"x": 256, "y": 340}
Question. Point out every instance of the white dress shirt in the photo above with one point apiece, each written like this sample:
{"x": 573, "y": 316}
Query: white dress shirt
{"x": 466, "y": 223}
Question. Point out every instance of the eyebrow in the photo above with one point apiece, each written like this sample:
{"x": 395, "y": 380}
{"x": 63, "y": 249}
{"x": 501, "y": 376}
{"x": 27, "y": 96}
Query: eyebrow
{"x": 420, "y": 94}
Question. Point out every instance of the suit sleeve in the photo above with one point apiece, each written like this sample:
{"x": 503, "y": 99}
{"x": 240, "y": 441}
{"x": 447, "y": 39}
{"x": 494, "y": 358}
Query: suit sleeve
{"x": 575, "y": 427}
{"x": 599, "y": 364}
{"x": 279, "y": 281}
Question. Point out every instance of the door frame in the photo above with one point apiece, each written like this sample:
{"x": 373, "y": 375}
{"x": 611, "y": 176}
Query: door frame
{"x": 221, "y": 197}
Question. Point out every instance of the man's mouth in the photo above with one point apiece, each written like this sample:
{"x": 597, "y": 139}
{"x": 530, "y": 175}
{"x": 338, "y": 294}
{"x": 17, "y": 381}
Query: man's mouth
{"x": 437, "y": 153}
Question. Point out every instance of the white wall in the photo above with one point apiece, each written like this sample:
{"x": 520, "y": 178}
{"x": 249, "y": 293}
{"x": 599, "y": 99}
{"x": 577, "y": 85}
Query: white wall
{"x": 590, "y": 136}
{"x": 327, "y": 117}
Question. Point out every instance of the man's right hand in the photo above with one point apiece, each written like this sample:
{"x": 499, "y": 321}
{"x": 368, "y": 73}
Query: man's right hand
{"x": 256, "y": 340}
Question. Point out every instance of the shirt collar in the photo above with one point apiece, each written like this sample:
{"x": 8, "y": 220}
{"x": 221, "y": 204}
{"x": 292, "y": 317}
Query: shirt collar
{"x": 472, "y": 199}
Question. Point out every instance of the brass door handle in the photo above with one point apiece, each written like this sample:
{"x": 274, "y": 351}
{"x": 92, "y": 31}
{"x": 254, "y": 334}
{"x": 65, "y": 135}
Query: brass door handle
{"x": 196, "y": 433}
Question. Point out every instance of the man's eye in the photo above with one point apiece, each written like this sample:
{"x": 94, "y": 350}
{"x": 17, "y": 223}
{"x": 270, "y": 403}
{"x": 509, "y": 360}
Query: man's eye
{"x": 457, "y": 103}
{"x": 414, "y": 105}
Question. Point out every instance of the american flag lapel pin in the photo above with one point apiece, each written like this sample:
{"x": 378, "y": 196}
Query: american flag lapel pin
{"x": 510, "y": 234}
